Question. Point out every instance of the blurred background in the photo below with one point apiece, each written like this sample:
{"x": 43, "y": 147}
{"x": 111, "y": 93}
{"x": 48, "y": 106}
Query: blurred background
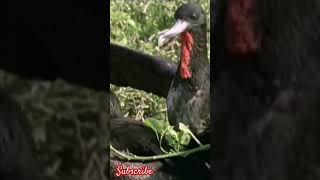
{"x": 136, "y": 25}
{"x": 68, "y": 125}
{"x": 68, "y": 122}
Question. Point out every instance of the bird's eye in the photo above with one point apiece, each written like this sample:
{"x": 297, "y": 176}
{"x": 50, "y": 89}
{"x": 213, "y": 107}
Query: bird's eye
{"x": 194, "y": 16}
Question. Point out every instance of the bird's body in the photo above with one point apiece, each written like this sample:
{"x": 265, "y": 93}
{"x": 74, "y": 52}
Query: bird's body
{"x": 266, "y": 90}
{"x": 128, "y": 135}
{"x": 188, "y": 100}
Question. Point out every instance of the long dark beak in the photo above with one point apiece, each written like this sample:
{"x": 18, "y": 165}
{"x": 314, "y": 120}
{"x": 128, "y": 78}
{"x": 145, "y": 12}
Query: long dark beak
{"x": 179, "y": 27}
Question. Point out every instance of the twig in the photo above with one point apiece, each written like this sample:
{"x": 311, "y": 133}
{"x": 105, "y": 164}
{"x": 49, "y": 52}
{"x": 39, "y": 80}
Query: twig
{"x": 162, "y": 156}
{"x": 146, "y": 7}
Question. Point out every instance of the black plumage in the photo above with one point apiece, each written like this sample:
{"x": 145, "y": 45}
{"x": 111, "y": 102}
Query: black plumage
{"x": 141, "y": 71}
{"x": 131, "y": 136}
{"x": 266, "y": 90}
{"x": 188, "y": 100}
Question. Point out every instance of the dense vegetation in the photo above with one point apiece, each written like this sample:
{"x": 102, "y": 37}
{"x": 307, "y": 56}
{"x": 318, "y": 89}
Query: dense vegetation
{"x": 136, "y": 24}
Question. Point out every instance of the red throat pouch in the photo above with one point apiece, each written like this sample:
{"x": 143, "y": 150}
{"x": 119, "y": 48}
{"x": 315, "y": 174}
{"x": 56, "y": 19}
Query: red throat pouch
{"x": 187, "y": 45}
{"x": 242, "y": 37}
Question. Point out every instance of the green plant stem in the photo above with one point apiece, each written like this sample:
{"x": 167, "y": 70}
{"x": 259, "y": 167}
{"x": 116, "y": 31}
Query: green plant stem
{"x": 162, "y": 156}
{"x": 195, "y": 138}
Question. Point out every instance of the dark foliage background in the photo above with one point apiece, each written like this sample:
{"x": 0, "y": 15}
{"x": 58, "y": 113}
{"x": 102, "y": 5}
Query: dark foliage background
{"x": 68, "y": 125}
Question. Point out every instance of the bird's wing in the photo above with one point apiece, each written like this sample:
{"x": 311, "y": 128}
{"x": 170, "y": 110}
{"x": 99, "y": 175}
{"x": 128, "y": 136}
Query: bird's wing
{"x": 140, "y": 71}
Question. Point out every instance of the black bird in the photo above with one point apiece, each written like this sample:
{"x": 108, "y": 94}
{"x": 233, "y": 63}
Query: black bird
{"x": 141, "y": 71}
{"x": 188, "y": 100}
{"x": 266, "y": 90}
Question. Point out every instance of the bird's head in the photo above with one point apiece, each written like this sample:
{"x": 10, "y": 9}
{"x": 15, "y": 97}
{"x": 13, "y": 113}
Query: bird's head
{"x": 190, "y": 26}
{"x": 189, "y": 18}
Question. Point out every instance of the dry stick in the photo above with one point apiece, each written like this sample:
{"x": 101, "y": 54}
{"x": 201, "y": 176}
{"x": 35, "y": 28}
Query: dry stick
{"x": 146, "y": 7}
{"x": 162, "y": 156}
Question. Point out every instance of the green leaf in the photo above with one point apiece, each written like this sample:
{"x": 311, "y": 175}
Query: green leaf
{"x": 154, "y": 124}
{"x": 132, "y": 23}
{"x": 185, "y": 139}
{"x": 184, "y": 128}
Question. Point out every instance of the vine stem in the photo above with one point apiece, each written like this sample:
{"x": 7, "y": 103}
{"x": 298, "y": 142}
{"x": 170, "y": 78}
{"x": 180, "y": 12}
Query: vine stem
{"x": 161, "y": 156}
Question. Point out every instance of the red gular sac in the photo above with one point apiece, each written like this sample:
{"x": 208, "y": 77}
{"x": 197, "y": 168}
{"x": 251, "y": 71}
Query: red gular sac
{"x": 242, "y": 37}
{"x": 187, "y": 44}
